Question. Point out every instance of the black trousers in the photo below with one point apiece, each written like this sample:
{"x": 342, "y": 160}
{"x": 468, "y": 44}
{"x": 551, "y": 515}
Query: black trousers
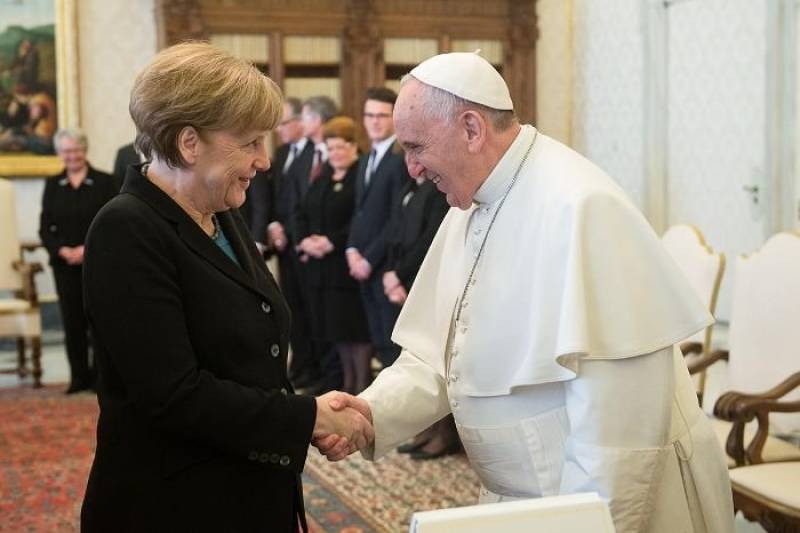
{"x": 381, "y": 315}
{"x": 69, "y": 285}
{"x": 305, "y": 361}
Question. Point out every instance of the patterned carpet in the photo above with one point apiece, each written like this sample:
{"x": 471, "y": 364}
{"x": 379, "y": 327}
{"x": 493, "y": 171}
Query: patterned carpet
{"x": 47, "y": 443}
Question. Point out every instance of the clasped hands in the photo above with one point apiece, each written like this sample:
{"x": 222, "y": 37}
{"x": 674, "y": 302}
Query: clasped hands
{"x": 343, "y": 425}
{"x": 73, "y": 255}
{"x": 316, "y": 246}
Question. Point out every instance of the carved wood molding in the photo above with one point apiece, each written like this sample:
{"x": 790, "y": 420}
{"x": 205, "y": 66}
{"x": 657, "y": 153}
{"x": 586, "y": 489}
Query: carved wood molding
{"x": 362, "y": 25}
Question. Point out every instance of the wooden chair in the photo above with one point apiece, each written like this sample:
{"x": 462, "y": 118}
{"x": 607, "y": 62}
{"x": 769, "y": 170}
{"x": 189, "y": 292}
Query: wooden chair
{"x": 768, "y": 493}
{"x": 19, "y": 306}
{"x": 703, "y": 269}
{"x": 764, "y": 341}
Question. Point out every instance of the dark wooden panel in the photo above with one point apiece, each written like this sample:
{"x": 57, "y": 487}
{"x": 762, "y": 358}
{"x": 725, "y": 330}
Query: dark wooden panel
{"x": 363, "y": 25}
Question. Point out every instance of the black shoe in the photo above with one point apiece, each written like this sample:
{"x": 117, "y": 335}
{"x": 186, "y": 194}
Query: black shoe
{"x": 75, "y": 388}
{"x": 411, "y": 447}
{"x": 422, "y": 455}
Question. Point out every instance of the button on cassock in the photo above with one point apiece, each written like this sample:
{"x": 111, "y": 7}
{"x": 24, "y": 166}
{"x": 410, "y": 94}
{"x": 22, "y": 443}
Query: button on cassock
{"x": 266, "y": 307}
{"x": 275, "y": 350}
{"x": 285, "y": 460}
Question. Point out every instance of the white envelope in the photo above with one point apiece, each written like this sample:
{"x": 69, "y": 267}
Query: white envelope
{"x": 572, "y": 513}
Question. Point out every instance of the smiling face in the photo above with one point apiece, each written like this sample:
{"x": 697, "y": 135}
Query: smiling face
{"x": 341, "y": 153}
{"x": 226, "y": 162}
{"x": 73, "y": 154}
{"x": 378, "y": 120}
{"x": 435, "y": 150}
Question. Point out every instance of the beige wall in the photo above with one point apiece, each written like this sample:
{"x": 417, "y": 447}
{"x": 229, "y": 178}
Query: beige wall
{"x": 115, "y": 40}
{"x": 554, "y": 69}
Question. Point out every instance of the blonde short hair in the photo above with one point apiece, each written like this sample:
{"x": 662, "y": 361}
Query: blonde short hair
{"x": 195, "y": 84}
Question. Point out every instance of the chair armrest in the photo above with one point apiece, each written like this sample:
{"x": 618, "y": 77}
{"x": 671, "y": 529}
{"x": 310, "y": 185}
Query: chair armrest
{"x": 691, "y": 347}
{"x": 28, "y": 271}
{"x": 30, "y": 246}
{"x": 704, "y": 362}
{"x": 741, "y": 408}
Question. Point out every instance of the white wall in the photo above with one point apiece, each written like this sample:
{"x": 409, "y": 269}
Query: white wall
{"x": 608, "y": 118}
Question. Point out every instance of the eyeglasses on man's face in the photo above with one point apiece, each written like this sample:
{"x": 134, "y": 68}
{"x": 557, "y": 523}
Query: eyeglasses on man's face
{"x": 379, "y": 116}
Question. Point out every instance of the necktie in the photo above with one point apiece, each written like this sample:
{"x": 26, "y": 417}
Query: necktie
{"x": 370, "y": 166}
{"x": 290, "y": 159}
{"x": 316, "y": 168}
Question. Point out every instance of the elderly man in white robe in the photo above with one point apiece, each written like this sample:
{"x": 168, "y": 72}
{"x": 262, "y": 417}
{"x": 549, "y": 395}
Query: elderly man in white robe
{"x": 544, "y": 317}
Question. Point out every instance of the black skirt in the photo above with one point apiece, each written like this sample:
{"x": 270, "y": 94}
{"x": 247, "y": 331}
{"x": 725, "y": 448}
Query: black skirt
{"x": 337, "y": 315}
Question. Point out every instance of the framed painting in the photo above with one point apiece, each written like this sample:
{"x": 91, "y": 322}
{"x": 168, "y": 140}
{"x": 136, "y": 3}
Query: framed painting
{"x": 38, "y": 83}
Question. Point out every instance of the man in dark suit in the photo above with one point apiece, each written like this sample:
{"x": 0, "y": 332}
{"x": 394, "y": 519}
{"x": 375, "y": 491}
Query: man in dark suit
{"x": 292, "y": 169}
{"x": 257, "y": 206}
{"x": 381, "y": 175}
{"x": 126, "y": 156}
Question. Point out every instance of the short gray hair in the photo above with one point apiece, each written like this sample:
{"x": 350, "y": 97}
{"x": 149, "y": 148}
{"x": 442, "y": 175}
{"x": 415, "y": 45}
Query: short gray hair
{"x": 75, "y": 134}
{"x": 438, "y": 104}
{"x": 322, "y": 106}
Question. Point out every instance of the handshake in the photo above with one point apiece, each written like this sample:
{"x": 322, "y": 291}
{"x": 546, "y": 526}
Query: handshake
{"x": 343, "y": 425}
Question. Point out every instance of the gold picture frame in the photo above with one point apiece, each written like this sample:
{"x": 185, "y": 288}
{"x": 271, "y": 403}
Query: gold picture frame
{"x": 28, "y": 165}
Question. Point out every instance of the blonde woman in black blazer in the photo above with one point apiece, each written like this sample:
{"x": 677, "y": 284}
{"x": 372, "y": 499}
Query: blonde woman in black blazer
{"x": 199, "y": 428}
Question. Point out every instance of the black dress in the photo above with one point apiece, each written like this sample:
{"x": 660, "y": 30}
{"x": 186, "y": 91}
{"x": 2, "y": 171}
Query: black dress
{"x": 337, "y": 313}
{"x": 66, "y": 215}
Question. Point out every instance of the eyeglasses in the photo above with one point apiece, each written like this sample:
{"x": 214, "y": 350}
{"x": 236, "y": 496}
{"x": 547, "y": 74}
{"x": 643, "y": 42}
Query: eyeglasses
{"x": 288, "y": 120}
{"x": 382, "y": 116}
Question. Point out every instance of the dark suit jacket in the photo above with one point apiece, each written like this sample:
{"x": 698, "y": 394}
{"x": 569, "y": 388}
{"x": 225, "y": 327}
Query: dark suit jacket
{"x": 412, "y": 227}
{"x": 374, "y": 205}
{"x": 291, "y": 187}
{"x": 258, "y": 205}
{"x": 67, "y": 212}
{"x": 327, "y": 209}
{"x": 126, "y": 156}
{"x": 199, "y": 429}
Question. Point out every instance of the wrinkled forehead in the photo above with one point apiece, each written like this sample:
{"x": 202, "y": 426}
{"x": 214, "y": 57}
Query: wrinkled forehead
{"x": 409, "y": 119}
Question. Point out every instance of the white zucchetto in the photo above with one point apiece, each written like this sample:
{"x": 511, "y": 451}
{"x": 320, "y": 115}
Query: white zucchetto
{"x": 468, "y": 76}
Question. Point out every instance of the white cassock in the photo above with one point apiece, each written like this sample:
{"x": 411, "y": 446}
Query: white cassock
{"x": 561, "y": 370}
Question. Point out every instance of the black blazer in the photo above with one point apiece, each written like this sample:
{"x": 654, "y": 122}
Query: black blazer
{"x": 374, "y": 205}
{"x": 291, "y": 187}
{"x": 412, "y": 227}
{"x": 126, "y": 156}
{"x": 67, "y": 212}
{"x": 199, "y": 428}
{"x": 327, "y": 209}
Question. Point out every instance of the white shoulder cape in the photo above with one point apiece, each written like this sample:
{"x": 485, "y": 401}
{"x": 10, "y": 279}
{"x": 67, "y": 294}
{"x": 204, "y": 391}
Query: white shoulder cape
{"x": 571, "y": 270}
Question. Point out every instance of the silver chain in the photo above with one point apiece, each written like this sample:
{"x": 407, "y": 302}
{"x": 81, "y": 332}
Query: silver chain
{"x": 491, "y": 223}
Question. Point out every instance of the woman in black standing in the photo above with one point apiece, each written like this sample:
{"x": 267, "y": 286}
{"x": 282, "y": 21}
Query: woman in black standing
{"x": 70, "y": 201}
{"x": 322, "y": 225}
